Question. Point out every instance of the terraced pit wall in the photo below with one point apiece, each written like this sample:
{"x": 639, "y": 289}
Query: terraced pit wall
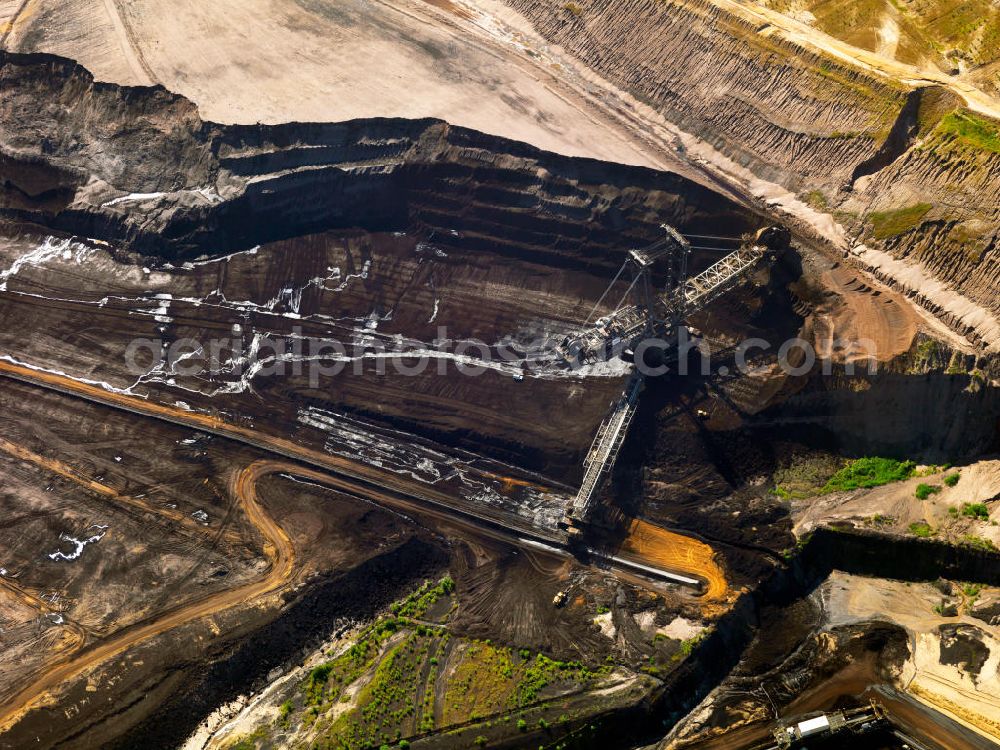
{"x": 137, "y": 167}
{"x": 781, "y": 111}
{"x": 851, "y": 143}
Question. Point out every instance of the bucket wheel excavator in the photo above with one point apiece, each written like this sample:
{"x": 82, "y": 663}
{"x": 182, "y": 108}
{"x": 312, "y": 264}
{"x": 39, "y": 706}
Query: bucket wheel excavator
{"x": 642, "y": 314}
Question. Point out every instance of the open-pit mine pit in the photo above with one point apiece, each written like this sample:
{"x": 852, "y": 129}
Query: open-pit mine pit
{"x": 591, "y": 375}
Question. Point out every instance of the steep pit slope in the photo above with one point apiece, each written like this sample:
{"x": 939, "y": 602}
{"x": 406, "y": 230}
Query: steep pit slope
{"x": 369, "y": 232}
{"x": 787, "y": 114}
{"x": 908, "y": 172}
{"x": 166, "y": 181}
{"x": 928, "y": 220}
{"x": 769, "y": 106}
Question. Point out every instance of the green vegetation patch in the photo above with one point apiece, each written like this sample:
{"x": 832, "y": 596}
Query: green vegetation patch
{"x": 924, "y": 491}
{"x": 978, "y": 511}
{"x": 979, "y": 543}
{"x": 972, "y": 591}
{"x": 418, "y": 604}
{"x": 896, "y": 221}
{"x": 805, "y": 476}
{"x": 951, "y": 480}
{"x": 400, "y": 673}
{"x": 817, "y": 199}
{"x": 921, "y": 529}
{"x": 488, "y": 680}
{"x": 971, "y": 129}
{"x": 869, "y": 472}
{"x": 386, "y": 706}
{"x": 947, "y": 609}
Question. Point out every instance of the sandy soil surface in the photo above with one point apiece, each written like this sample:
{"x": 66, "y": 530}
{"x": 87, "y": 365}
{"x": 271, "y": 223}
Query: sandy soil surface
{"x": 934, "y": 675}
{"x": 288, "y": 60}
{"x": 850, "y": 307}
{"x": 654, "y": 545}
{"x": 897, "y": 506}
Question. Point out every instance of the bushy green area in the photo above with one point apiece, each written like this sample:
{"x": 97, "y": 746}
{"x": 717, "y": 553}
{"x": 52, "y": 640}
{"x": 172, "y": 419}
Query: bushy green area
{"x": 925, "y": 355}
{"x": 804, "y": 476}
{"x": 544, "y": 671}
{"x": 817, "y": 199}
{"x": 924, "y": 491}
{"x": 976, "y": 510}
{"x": 387, "y": 701}
{"x": 400, "y": 674}
{"x": 421, "y": 600}
{"x": 921, "y": 529}
{"x": 869, "y": 472}
{"x": 896, "y": 221}
{"x": 952, "y": 479}
{"x": 978, "y": 543}
{"x": 972, "y": 591}
{"x": 972, "y": 129}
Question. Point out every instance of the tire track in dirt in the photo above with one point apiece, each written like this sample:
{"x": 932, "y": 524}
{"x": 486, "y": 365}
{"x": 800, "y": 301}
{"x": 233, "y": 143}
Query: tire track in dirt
{"x": 9, "y": 26}
{"x": 653, "y": 545}
{"x": 129, "y": 44}
{"x": 645, "y": 542}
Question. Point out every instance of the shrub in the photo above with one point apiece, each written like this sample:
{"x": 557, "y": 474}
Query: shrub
{"x": 921, "y": 529}
{"x": 284, "y": 712}
{"x": 979, "y": 543}
{"x": 869, "y": 472}
{"x": 480, "y": 741}
{"x": 947, "y": 609}
{"x": 952, "y": 479}
{"x": 522, "y": 725}
{"x": 924, "y": 491}
{"x": 972, "y": 590}
{"x": 976, "y": 510}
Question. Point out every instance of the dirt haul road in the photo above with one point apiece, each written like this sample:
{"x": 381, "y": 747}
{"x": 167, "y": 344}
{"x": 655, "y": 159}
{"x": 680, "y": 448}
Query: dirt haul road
{"x": 277, "y": 548}
{"x": 693, "y": 558}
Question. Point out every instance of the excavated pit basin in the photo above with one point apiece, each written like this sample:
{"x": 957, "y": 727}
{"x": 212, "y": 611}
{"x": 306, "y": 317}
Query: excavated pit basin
{"x": 375, "y": 231}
